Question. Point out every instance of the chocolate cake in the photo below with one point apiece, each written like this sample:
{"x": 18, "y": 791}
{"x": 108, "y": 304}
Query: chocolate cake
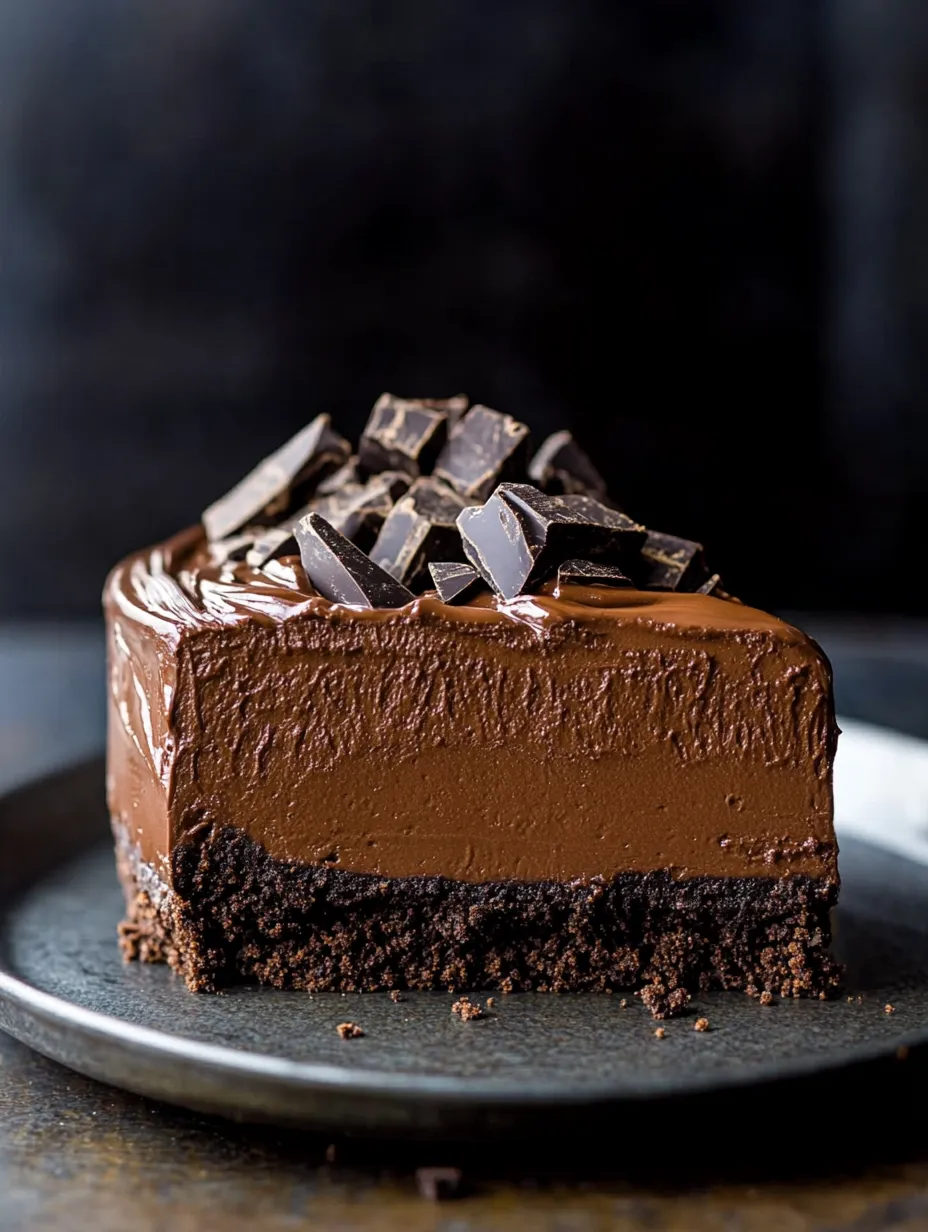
{"x": 438, "y": 714}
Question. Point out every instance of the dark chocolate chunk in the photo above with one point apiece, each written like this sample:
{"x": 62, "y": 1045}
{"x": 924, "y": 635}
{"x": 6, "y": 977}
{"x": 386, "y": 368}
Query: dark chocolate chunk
{"x": 360, "y": 512}
{"x": 357, "y": 511}
{"x": 231, "y": 550}
{"x": 402, "y": 435}
{"x": 483, "y": 450}
{"x": 710, "y": 586}
{"x": 561, "y": 467}
{"x": 342, "y": 572}
{"x": 670, "y": 563}
{"x": 439, "y": 1184}
{"x": 342, "y": 478}
{"x": 455, "y": 583}
{"x": 282, "y": 481}
{"x": 421, "y": 527}
{"x": 521, "y": 536}
{"x": 588, "y": 573}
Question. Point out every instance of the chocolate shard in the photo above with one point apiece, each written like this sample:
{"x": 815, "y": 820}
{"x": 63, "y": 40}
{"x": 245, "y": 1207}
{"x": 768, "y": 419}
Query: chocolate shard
{"x": 588, "y": 573}
{"x": 670, "y": 563}
{"x": 483, "y": 450}
{"x": 521, "y": 536}
{"x": 711, "y": 586}
{"x": 274, "y": 542}
{"x": 359, "y": 513}
{"x": 342, "y": 478}
{"x": 343, "y": 573}
{"x": 455, "y": 583}
{"x": 402, "y": 435}
{"x": 232, "y": 550}
{"x": 283, "y": 480}
{"x": 561, "y": 467}
{"x": 421, "y": 528}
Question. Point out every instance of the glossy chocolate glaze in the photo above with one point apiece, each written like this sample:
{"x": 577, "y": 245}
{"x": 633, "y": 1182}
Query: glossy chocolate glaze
{"x": 555, "y": 737}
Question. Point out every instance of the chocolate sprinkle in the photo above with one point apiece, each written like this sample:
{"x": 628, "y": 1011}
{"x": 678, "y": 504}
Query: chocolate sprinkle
{"x": 343, "y": 573}
{"x": 455, "y": 583}
{"x": 402, "y": 435}
{"x": 484, "y": 449}
{"x": 280, "y": 481}
{"x": 561, "y": 467}
{"x": 421, "y": 528}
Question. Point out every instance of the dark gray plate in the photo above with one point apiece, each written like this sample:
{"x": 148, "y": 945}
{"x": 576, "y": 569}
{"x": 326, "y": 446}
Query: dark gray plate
{"x": 256, "y": 1054}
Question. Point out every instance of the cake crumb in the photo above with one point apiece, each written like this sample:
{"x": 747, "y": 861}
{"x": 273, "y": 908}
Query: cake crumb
{"x": 623, "y": 1004}
{"x": 466, "y": 1010}
{"x": 395, "y": 997}
{"x": 889, "y": 1009}
{"x": 701, "y": 1024}
{"x": 659, "y": 1032}
{"x": 491, "y": 1001}
{"x": 766, "y": 998}
{"x": 439, "y": 1184}
{"x": 349, "y": 1030}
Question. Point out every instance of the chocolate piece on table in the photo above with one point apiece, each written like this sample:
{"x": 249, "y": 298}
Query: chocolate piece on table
{"x": 589, "y": 573}
{"x": 483, "y": 450}
{"x": 421, "y": 527}
{"x": 670, "y": 563}
{"x": 280, "y": 481}
{"x": 561, "y": 467}
{"x": 521, "y": 536}
{"x": 341, "y": 572}
{"x": 454, "y": 582}
{"x": 402, "y": 435}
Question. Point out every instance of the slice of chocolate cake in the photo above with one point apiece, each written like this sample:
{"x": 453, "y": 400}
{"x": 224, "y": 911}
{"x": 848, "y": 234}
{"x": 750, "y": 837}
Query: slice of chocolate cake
{"x": 568, "y": 767}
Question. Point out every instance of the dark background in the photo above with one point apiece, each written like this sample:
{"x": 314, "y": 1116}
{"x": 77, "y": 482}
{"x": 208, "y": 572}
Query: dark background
{"x": 695, "y": 232}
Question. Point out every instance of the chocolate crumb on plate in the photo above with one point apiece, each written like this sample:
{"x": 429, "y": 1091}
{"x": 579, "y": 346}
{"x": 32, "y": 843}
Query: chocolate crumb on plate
{"x": 659, "y": 1032}
{"x": 491, "y": 1001}
{"x": 889, "y": 1009}
{"x": 467, "y": 1010}
{"x": 766, "y": 998}
{"x": 701, "y": 1024}
{"x": 395, "y": 997}
{"x": 349, "y": 1030}
{"x": 439, "y": 1184}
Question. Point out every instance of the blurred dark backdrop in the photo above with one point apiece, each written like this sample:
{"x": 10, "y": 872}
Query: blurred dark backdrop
{"x": 693, "y": 231}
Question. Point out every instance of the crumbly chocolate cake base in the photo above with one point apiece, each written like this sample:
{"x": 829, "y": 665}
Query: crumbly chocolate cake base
{"x": 235, "y": 915}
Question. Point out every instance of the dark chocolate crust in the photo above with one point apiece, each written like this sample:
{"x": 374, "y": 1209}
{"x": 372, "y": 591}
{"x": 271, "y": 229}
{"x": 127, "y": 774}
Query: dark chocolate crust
{"x": 237, "y": 915}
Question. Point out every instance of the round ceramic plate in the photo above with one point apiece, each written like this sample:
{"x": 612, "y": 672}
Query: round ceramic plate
{"x": 256, "y": 1054}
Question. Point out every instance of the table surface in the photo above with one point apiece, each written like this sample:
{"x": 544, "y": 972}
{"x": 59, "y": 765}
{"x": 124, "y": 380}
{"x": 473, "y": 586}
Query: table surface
{"x": 839, "y": 1151}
